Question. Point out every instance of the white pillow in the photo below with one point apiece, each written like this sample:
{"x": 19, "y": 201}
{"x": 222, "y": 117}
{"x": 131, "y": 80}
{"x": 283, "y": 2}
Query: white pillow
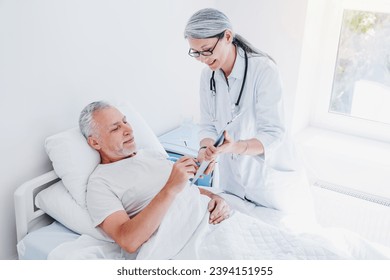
{"x": 74, "y": 160}
{"x": 57, "y": 202}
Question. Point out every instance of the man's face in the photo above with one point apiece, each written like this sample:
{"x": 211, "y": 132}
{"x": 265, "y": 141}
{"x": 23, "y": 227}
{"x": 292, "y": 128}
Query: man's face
{"x": 114, "y": 137}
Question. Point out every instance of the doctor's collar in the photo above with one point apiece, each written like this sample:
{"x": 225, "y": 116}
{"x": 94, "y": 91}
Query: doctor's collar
{"x": 238, "y": 67}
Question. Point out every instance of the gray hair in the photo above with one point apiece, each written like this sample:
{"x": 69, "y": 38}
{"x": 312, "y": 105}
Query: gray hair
{"x": 209, "y": 23}
{"x": 86, "y": 123}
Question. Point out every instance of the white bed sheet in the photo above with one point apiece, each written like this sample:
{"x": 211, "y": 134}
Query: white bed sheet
{"x": 185, "y": 234}
{"x": 38, "y": 244}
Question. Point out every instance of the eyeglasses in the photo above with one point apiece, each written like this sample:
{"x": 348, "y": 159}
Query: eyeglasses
{"x": 209, "y": 52}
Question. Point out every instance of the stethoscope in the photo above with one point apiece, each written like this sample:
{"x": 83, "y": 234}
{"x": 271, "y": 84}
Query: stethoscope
{"x": 213, "y": 89}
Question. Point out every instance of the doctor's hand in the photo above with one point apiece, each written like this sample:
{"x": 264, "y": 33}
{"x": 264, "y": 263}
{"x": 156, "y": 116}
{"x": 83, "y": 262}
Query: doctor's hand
{"x": 210, "y": 152}
{"x": 227, "y": 145}
{"x": 203, "y": 155}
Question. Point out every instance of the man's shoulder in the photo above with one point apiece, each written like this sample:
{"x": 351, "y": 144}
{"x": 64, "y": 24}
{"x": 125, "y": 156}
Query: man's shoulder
{"x": 102, "y": 172}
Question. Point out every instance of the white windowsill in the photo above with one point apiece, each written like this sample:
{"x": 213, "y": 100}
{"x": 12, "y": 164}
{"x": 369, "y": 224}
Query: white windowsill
{"x": 350, "y": 161}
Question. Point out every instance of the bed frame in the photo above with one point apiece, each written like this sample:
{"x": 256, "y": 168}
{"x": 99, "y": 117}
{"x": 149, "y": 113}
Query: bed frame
{"x": 28, "y": 216}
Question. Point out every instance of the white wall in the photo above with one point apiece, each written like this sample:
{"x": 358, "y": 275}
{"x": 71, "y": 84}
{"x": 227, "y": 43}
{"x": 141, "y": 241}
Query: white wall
{"x": 56, "y": 56}
{"x": 277, "y": 28}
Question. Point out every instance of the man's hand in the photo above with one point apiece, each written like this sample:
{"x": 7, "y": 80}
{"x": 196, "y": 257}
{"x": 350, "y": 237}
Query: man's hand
{"x": 218, "y": 208}
{"x": 183, "y": 169}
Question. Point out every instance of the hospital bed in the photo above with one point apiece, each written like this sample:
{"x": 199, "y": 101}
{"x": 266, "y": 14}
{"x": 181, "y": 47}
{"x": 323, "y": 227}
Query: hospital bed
{"x": 52, "y": 224}
{"x": 39, "y": 233}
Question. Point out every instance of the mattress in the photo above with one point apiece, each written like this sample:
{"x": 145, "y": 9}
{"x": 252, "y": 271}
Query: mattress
{"x": 38, "y": 244}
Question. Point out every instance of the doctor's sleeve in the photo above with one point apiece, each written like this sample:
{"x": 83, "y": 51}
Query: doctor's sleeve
{"x": 270, "y": 123}
{"x": 207, "y": 108}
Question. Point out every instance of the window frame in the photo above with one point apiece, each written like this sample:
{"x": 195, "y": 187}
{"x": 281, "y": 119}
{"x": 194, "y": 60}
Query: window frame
{"x": 324, "y": 60}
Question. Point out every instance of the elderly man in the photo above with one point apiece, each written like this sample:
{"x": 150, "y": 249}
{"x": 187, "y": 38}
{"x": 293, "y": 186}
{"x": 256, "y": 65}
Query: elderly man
{"x": 129, "y": 193}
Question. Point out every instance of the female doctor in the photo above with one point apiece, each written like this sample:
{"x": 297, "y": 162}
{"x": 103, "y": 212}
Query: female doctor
{"x": 240, "y": 80}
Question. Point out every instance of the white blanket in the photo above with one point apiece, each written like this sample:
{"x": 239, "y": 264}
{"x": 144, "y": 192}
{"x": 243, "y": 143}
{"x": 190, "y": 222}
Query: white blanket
{"x": 186, "y": 234}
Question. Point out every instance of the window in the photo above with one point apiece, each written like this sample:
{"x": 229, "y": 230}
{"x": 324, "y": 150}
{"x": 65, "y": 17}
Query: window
{"x": 361, "y": 80}
{"x": 347, "y": 66}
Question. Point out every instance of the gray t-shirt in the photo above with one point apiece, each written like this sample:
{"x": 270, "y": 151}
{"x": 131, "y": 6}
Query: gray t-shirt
{"x": 129, "y": 184}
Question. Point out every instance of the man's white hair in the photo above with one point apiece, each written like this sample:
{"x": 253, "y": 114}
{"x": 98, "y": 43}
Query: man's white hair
{"x": 86, "y": 123}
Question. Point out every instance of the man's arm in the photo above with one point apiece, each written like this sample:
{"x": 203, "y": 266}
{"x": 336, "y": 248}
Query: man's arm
{"x": 130, "y": 234}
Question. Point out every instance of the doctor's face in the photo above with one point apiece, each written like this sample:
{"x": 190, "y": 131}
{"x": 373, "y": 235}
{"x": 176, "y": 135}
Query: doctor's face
{"x": 211, "y": 51}
{"x": 113, "y": 138}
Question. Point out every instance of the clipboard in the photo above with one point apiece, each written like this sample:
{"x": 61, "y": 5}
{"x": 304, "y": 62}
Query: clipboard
{"x": 220, "y": 139}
